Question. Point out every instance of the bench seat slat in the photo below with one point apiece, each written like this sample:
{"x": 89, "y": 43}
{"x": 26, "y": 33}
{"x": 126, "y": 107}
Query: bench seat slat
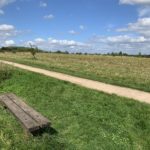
{"x": 41, "y": 120}
{"x": 25, "y": 119}
{"x": 31, "y": 119}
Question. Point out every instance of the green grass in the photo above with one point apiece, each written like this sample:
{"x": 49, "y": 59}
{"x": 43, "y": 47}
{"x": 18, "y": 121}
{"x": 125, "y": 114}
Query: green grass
{"x": 84, "y": 119}
{"x": 5, "y": 72}
{"x": 123, "y": 71}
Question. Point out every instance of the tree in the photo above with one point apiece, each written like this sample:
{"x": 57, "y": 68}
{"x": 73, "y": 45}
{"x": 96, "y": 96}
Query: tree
{"x": 120, "y": 53}
{"x": 33, "y": 50}
{"x": 140, "y": 54}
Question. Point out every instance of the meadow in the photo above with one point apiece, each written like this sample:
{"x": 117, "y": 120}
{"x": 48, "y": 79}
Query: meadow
{"x": 130, "y": 72}
{"x": 81, "y": 119}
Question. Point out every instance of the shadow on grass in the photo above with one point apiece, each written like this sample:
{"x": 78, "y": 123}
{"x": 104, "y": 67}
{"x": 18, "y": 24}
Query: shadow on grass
{"x": 49, "y": 130}
{"x": 52, "y": 139}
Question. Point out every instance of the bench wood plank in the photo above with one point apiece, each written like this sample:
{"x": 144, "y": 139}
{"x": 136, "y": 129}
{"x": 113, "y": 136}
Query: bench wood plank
{"x": 27, "y": 121}
{"x": 32, "y": 120}
{"x": 41, "y": 120}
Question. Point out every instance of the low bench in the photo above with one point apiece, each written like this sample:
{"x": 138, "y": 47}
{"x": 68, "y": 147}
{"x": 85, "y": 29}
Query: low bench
{"x": 30, "y": 119}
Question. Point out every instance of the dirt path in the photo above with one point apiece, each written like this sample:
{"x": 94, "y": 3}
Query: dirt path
{"x": 107, "y": 88}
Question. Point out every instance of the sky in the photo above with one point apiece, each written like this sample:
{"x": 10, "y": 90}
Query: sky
{"x": 92, "y": 26}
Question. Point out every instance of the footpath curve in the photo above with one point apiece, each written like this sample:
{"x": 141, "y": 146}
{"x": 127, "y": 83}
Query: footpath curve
{"x": 95, "y": 85}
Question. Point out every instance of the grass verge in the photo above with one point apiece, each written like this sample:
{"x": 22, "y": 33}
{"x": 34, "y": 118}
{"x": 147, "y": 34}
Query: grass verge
{"x": 123, "y": 71}
{"x": 84, "y": 119}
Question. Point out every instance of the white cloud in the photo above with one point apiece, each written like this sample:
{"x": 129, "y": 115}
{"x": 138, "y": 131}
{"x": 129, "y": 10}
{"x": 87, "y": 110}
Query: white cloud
{"x": 9, "y": 43}
{"x": 122, "y": 39}
{"x": 144, "y": 6}
{"x": 132, "y": 2}
{"x": 144, "y": 11}
{"x": 64, "y": 42}
{"x": 43, "y": 4}
{"x": 7, "y": 32}
{"x": 97, "y": 44}
{"x": 5, "y": 2}
{"x": 73, "y": 32}
{"x": 142, "y": 27}
{"x": 82, "y": 27}
{"x": 6, "y": 27}
{"x": 55, "y": 44}
{"x": 28, "y": 43}
{"x": 124, "y": 43}
{"x": 49, "y": 17}
{"x": 39, "y": 40}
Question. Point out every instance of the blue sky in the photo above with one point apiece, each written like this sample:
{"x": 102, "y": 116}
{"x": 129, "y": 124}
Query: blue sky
{"x": 99, "y": 26}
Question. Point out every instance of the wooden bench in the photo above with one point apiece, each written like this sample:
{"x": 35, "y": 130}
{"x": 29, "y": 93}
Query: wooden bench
{"x": 30, "y": 119}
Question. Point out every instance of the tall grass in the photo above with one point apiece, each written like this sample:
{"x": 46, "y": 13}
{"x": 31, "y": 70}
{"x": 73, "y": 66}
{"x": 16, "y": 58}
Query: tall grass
{"x": 5, "y": 72}
{"x": 123, "y": 71}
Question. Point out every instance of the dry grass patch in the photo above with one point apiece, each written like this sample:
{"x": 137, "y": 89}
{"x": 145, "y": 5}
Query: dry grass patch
{"x": 124, "y": 71}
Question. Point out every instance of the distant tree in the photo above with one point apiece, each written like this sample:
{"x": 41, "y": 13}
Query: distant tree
{"x": 78, "y": 53}
{"x": 58, "y": 51}
{"x": 33, "y": 50}
{"x": 120, "y": 53}
{"x": 113, "y": 54}
{"x": 66, "y": 52}
{"x": 140, "y": 54}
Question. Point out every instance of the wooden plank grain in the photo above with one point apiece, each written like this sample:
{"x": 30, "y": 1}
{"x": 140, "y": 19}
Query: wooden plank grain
{"x": 25, "y": 119}
{"x": 41, "y": 120}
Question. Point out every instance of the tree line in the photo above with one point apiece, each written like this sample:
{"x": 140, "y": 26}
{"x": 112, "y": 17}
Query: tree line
{"x": 33, "y": 50}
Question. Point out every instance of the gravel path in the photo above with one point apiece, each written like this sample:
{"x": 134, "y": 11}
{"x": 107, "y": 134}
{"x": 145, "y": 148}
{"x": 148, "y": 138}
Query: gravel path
{"x": 107, "y": 88}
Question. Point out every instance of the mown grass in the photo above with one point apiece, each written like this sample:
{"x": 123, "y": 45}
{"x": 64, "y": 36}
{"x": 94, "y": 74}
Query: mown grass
{"x": 84, "y": 119}
{"x": 123, "y": 71}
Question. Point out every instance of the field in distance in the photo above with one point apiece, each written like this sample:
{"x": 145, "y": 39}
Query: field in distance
{"x": 130, "y": 72}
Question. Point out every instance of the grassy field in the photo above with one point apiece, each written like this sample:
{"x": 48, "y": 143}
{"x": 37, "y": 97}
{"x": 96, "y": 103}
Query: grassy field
{"x": 124, "y": 71}
{"x": 81, "y": 118}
